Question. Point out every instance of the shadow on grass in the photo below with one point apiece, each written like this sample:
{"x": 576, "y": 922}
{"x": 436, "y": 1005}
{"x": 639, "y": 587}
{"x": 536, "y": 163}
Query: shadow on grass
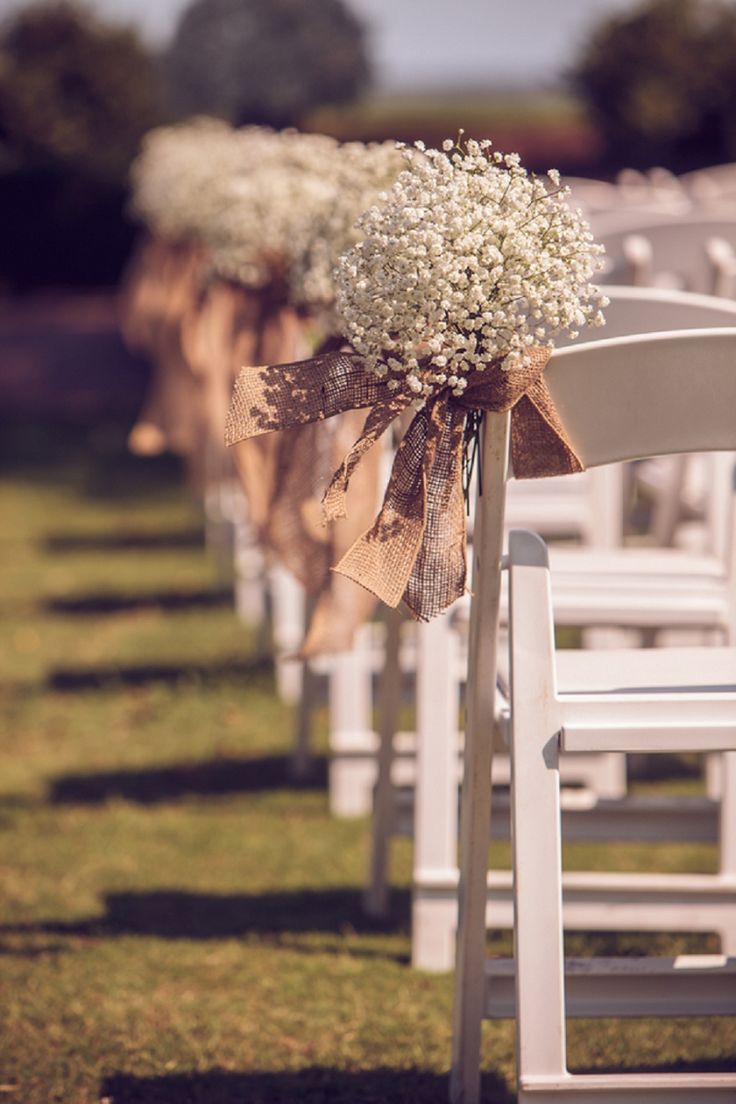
{"x": 178, "y": 914}
{"x": 315, "y": 1085}
{"x": 110, "y": 542}
{"x": 114, "y": 676}
{"x": 206, "y": 778}
{"x": 8, "y": 950}
{"x": 169, "y": 600}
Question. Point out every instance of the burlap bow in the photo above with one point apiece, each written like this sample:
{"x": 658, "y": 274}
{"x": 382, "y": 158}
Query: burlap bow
{"x": 415, "y": 548}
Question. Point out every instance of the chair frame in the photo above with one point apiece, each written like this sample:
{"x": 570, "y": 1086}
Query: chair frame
{"x": 610, "y": 397}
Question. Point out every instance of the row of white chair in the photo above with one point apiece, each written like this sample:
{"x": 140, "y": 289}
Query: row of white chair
{"x": 464, "y": 1047}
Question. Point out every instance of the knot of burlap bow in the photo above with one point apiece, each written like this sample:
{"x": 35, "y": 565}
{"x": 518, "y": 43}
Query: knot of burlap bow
{"x": 416, "y": 547}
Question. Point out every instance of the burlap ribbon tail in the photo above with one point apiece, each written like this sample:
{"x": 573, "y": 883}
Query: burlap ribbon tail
{"x": 416, "y": 548}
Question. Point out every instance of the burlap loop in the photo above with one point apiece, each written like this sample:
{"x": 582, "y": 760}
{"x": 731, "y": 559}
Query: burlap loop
{"x": 415, "y": 550}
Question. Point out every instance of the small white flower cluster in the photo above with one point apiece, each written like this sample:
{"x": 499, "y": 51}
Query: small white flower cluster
{"x": 467, "y": 260}
{"x": 291, "y": 216}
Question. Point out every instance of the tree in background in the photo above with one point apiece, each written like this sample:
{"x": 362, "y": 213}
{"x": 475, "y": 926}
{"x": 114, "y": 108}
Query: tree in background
{"x": 76, "y": 95}
{"x": 74, "y": 90}
{"x": 268, "y": 62}
{"x": 660, "y": 83}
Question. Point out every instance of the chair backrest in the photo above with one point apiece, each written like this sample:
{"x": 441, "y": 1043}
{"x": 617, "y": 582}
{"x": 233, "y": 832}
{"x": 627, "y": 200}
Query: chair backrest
{"x": 628, "y": 218}
{"x": 722, "y": 258}
{"x": 638, "y": 310}
{"x": 648, "y": 395}
{"x": 711, "y": 183}
{"x": 678, "y": 247}
{"x": 590, "y": 194}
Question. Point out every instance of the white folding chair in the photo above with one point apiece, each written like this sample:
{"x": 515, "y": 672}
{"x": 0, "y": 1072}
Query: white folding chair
{"x": 633, "y": 593}
{"x": 619, "y": 400}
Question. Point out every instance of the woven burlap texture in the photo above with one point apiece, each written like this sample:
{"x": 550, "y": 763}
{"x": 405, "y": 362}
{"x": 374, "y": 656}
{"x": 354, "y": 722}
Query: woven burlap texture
{"x": 415, "y": 549}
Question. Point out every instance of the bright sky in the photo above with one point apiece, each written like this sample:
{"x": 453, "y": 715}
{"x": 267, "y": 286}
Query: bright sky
{"x": 433, "y": 43}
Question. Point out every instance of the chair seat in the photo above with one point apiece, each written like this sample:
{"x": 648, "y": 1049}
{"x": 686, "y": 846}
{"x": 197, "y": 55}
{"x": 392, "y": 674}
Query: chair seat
{"x": 665, "y": 699}
{"x": 640, "y": 606}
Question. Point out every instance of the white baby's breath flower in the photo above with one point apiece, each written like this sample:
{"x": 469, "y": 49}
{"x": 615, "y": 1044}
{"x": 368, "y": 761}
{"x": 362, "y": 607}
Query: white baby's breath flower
{"x": 175, "y": 178}
{"x": 469, "y": 260}
{"x": 265, "y": 209}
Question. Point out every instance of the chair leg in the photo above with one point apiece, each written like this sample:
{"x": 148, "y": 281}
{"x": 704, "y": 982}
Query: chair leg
{"x": 475, "y": 820}
{"x": 250, "y": 569}
{"x": 289, "y": 618}
{"x": 301, "y": 763}
{"x": 376, "y": 895}
{"x": 536, "y": 829}
{"x": 728, "y": 838}
{"x": 436, "y": 796}
{"x": 352, "y": 771}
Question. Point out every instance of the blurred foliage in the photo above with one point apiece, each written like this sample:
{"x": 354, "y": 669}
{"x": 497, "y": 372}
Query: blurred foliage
{"x": 74, "y": 90}
{"x": 62, "y": 227}
{"x": 268, "y": 62}
{"x": 76, "y": 96}
{"x": 660, "y": 83}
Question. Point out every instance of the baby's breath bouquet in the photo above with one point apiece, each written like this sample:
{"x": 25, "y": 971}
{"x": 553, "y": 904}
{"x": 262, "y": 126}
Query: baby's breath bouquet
{"x": 449, "y": 301}
{"x": 469, "y": 260}
{"x": 286, "y": 220}
{"x": 253, "y": 231}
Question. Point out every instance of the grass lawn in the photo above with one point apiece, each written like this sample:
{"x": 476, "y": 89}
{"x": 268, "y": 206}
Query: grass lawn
{"x": 473, "y": 109}
{"x": 178, "y": 922}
